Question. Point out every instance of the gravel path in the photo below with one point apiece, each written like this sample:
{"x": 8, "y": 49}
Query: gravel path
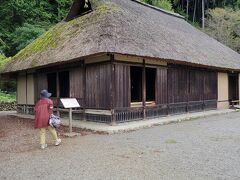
{"x": 207, "y": 148}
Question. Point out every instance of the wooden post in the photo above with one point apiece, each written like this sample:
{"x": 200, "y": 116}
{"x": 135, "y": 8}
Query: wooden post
{"x": 70, "y": 120}
{"x": 58, "y": 94}
{"x": 84, "y": 90}
{"x": 144, "y": 89}
{"x": 26, "y": 110}
{"x": 112, "y": 89}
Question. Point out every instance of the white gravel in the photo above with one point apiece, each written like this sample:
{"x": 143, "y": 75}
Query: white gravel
{"x": 207, "y": 148}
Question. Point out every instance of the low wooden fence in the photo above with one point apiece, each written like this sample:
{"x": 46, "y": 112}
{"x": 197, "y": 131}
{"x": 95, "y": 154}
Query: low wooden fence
{"x": 130, "y": 114}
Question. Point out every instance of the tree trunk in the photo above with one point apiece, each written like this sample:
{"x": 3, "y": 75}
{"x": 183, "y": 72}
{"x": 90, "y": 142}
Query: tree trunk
{"x": 203, "y": 14}
{"x": 194, "y": 12}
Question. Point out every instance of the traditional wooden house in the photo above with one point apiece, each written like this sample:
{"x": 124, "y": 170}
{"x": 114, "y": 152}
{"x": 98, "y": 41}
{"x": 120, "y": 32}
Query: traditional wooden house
{"x": 125, "y": 60}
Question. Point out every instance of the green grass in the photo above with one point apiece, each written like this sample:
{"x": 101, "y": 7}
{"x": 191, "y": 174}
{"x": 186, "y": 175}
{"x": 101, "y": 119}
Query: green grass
{"x": 170, "y": 141}
{"x": 7, "y": 97}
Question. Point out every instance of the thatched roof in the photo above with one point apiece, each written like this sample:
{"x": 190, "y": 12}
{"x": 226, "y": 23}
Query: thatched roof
{"x": 125, "y": 27}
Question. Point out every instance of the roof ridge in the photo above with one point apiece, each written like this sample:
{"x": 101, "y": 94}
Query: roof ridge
{"x": 159, "y": 9}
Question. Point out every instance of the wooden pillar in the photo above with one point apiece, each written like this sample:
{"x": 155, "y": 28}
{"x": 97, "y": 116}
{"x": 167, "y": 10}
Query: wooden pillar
{"x": 188, "y": 90}
{"x": 26, "y": 110}
{"x": 112, "y": 89}
{"x": 204, "y": 79}
{"x": 84, "y": 90}
{"x": 58, "y": 93}
{"x": 144, "y": 89}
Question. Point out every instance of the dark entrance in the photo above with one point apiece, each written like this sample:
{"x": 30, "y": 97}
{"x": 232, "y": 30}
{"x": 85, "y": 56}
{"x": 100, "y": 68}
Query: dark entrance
{"x": 150, "y": 84}
{"x": 233, "y": 87}
{"x": 61, "y": 79}
{"x": 52, "y": 83}
{"x": 63, "y": 83}
{"x": 136, "y": 84}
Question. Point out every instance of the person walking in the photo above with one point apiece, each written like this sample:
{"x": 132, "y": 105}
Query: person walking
{"x": 43, "y": 111}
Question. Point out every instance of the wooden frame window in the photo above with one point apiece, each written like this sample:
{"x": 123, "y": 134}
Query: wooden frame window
{"x": 233, "y": 87}
{"x": 136, "y": 84}
{"x": 143, "y": 86}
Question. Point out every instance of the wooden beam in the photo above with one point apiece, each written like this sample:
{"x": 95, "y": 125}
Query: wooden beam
{"x": 113, "y": 90}
{"x": 84, "y": 91}
{"x": 144, "y": 89}
{"x": 58, "y": 93}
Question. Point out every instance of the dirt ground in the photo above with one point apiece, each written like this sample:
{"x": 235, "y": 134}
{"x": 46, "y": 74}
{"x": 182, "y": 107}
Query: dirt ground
{"x": 18, "y": 135}
{"x": 206, "y": 148}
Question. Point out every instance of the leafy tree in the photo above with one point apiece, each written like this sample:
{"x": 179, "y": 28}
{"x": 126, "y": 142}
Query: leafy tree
{"x": 38, "y": 15}
{"x": 25, "y": 34}
{"x": 9, "y": 86}
{"x": 224, "y": 25}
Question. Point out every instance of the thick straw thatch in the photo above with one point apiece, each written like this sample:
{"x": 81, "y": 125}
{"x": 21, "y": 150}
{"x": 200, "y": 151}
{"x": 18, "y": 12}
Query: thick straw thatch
{"x": 126, "y": 27}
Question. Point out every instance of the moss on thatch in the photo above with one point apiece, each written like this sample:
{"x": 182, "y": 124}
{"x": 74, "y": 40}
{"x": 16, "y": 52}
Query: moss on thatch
{"x": 125, "y": 27}
{"x": 63, "y": 31}
{"x": 3, "y": 61}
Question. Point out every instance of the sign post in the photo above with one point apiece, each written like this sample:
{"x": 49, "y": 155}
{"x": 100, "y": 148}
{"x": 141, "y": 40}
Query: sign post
{"x": 70, "y": 120}
{"x": 69, "y": 103}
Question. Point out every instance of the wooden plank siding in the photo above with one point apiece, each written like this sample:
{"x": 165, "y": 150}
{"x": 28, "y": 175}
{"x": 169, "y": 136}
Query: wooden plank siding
{"x": 107, "y": 86}
{"x": 122, "y": 86}
{"x": 76, "y": 77}
{"x": 210, "y": 85}
{"x": 98, "y": 78}
{"x": 41, "y": 79}
{"x": 177, "y": 85}
{"x": 196, "y": 85}
{"x": 161, "y": 86}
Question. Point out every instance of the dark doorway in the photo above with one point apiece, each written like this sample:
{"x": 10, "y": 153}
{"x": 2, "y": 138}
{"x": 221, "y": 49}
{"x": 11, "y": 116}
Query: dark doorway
{"x": 150, "y": 84}
{"x": 233, "y": 87}
{"x": 136, "y": 84}
{"x": 63, "y": 83}
{"x": 52, "y": 83}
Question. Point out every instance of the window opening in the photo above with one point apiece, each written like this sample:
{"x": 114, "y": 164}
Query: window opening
{"x": 233, "y": 87}
{"x": 63, "y": 83}
{"x": 150, "y": 84}
{"x": 52, "y": 83}
{"x": 136, "y": 84}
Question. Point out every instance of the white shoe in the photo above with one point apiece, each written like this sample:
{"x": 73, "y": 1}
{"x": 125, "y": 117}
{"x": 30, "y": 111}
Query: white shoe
{"x": 43, "y": 146}
{"x": 57, "y": 142}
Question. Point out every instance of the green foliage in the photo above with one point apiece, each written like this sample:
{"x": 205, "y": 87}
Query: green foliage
{"x": 164, "y": 4}
{"x": 224, "y": 25}
{"x": 8, "y": 86}
{"x": 3, "y": 61}
{"x": 170, "y": 141}
{"x": 25, "y": 34}
{"x": 30, "y": 18}
{"x": 7, "y": 97}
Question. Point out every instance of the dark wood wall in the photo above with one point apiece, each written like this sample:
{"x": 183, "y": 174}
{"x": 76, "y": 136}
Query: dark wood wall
{"x": 40, "y": 83}
{"x": 173, "y": 85}
{"x": 98, "y": 79}
{"x": 196, "y": 85}
{"x": 187, "y": 84}
{"x": 77, "y": 85}
{"x": 177, "y": 85}
{"x": 161, "y": 85}
{"x": 122, "y": 85}
{"x": 210, "y": 85}
{"x": 91, "y": 85}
